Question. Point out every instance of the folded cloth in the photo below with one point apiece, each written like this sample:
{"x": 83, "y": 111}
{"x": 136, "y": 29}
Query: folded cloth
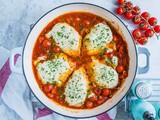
{"x": 17, "y": 102}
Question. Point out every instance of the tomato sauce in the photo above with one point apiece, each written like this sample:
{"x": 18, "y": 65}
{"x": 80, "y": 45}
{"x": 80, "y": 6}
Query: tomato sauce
{"x": 82, "y": 22}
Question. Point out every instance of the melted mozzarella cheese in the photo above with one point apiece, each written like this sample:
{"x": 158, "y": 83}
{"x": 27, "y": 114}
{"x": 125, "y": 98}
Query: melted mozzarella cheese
{"x": 102, "y": 74}
{"x": 57, "y": 69}
{"x": 99, "y": 36}
{"x": 67, "y": 38}
{"x": 76, "y": 88}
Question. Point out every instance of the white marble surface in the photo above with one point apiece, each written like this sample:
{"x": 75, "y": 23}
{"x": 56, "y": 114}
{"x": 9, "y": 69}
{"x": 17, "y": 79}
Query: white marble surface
{"x": 16, "y": 16}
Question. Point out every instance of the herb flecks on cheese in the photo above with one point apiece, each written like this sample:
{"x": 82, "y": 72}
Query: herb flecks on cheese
{"x": 76, "y": 88}
{"x": 67, "y": 38}
{"x": 105, "y": 76}
{"x": 57, "y": 69}
{"x": 97, "y": 39}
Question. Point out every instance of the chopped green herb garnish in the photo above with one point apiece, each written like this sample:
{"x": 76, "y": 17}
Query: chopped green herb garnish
{"x": 82, "y": 28}
{"x": 60, "y": 95}
{"x": 54, "y": 44}
{"x": 51, "y": 38}
{"x": 92, "y": 69}
{"x": 101, "y": 53}
{"x": 87, "y": 39}
{"x": 91, "y": 84}
{"x": 54, "y": 83}
{"x": 89, "y": 91}
{"x": 101, "y": 87}
{"x": 77, "y": 58}
{"x": 112, "y": 42}
{"x": 44, "y": 48}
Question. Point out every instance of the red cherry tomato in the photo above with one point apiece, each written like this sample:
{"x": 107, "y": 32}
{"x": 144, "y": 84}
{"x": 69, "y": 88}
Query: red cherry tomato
{"x": 119, "y": 10}
{"x": 47, "y": 88}
{"x": 93, "y": 98}
{"x": 46, "y": 43}
{"x": 145, "y": 15}
{"x": 136, "y": 11}
{"x": 149, "y": 33}
{"x": 120, "y": 68}
{"x": 56, "y": 49}
{"x": 121, "y": 50}
{"x": 143, "y": 40}
{"x": 120, "y": 55}
{"x": 110, "y": 55}
{"x": 137, "y": 33}
{"x": 100, "y": 100}
{"x": 89, "y": 104}
{"x": 50, "y": 95}
{"x": 115, "y": 39}
{"x": 120, "y": 1}
{"x": 128, "y": 15}
{"x": 54, "y": 90}
{"x": 143, "y": 25}
{"x": 157, "y": 28}
{"x": 129, "y": 5}
{"x": 106, "y": 91}
{"x": 41, "y": 38}
{"x": 153, "y": 21}
{"x": 136, "y": 19}
{"x": 69, "y": 19}
{"x": 125, "y": 74}
{"x": 97, "y": 91}
{"x": 136, "y": 40}
{"x": 77, "y": 19}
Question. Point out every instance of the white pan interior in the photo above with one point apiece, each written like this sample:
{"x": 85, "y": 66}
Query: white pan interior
{"x": 27, "y": 60}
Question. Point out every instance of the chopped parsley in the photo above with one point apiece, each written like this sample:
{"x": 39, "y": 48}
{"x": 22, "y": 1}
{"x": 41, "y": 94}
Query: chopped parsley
{"x": 89, "y": 91}
{"x": 87, "y": 39}
{"x": 54, "y": 83}
{"x": 91, "y": 84}
{"x": 51, "y": 38}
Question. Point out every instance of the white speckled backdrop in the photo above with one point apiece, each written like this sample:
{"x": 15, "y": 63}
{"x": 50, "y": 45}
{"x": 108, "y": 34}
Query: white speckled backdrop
{"x": 16, "y": 16}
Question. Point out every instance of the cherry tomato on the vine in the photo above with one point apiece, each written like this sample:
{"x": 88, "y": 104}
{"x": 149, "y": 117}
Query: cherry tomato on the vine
{"x": 157, "y": 28}
{"x": 149, "y": 33}
{"x": 143, "y": 40}
{"x": 137, "y": 10}
{"x": 153, "y": 21}
{"x": 145, "y": 15}
{"x": 137, "y": 34}
{"x": 143, "y": 25}
{"x": 128, "y": 15}
{"x": 120, "y": 1}
{"x": 136, "y": 19}
{"x": 119, "y": 10}
{"x": 128, "y": 5}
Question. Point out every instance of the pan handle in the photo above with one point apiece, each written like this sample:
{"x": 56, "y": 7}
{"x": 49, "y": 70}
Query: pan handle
{"x": 142, "y": 50}
{"x": 15, "y": 51}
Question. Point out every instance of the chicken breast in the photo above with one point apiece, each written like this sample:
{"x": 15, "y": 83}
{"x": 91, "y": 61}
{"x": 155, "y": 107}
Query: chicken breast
{"x": 56, "y": 70}
{"x": 67, "y": 38}
{"x": 103, "y": 75}
{"x": 76, "y": 88}
{"x": 97, "y": 39}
